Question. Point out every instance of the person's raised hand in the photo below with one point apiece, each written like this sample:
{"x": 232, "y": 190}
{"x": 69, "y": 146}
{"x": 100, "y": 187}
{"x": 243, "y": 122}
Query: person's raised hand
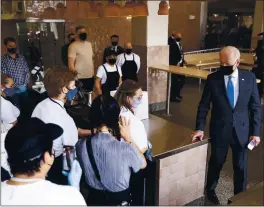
{"x": 124, "y": 126}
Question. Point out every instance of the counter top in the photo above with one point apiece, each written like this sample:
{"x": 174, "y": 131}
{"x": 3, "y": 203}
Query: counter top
{"x": 168, "y": 138}
{"x": 251, "y": 197}
{"x": 187, "y": 71}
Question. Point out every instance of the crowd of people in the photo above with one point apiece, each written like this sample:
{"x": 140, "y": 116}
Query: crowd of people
{"x": 108, "y": 156}
{"x": 48, "y": 154}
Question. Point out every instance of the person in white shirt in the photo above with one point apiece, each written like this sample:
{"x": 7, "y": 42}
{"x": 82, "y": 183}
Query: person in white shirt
{"x": 60, "y": 85}
{"x": 80, "y": 58}
{"x": 30, "y": 159}
{"x": 9, "y": 116}
{"x": 129, "y": 96}
{"x": 109, "y": 75}
{"x": 129, "y": 63}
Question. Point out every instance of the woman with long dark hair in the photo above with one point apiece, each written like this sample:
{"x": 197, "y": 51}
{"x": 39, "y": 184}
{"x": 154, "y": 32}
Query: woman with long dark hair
{"x": 104, "y": 159}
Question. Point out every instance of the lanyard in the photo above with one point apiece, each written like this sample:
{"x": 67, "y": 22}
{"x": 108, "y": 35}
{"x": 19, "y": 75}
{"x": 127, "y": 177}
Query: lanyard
{"x": 56, "y": 103}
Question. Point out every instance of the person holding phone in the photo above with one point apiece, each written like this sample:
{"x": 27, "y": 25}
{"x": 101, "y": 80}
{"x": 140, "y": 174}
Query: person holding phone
{"x": 235, "y": 119}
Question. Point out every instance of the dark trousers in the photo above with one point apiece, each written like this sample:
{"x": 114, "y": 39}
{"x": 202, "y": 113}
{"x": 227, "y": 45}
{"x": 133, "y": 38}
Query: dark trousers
{"x": 217, "y": 160}
{"x": 177, "y": 83}
{"x": 55, "y": 173}
{"x": 103, "y": 198}
{"x": 88, "y": 83}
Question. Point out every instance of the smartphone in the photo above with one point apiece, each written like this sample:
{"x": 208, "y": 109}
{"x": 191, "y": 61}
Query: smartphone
{"x": 251, "y": 145}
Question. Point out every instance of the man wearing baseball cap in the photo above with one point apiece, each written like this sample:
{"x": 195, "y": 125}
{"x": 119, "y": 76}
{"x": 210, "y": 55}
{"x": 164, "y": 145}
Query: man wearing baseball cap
{"x": 30, "y": 156}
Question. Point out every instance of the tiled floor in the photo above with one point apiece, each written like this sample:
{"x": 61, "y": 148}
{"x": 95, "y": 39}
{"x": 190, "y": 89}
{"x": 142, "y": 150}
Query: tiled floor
{"x": 184, "y": 114}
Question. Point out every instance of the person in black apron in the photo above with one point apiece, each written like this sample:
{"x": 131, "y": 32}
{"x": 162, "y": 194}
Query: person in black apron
{"x": 129, "y": 67}
{"x": 108, "y": 75}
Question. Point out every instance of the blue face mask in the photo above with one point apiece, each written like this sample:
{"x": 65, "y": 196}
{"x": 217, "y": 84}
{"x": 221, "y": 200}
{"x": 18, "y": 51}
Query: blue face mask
{"x": 136, "y": 102}
{"x": 71, "y": 93}
{"x": 10, "y": 91}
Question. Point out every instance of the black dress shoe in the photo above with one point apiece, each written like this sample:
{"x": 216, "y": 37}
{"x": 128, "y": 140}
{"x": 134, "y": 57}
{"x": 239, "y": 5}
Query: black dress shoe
{"x": 212, "y": 197}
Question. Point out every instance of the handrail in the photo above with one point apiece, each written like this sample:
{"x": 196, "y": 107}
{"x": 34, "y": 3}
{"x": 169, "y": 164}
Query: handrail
{"x": 242, "y": 50}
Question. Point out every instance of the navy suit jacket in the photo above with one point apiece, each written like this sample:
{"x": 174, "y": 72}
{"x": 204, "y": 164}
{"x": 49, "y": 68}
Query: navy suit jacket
{"x": 176, "y": 53}
{"x": 245, "y": 118}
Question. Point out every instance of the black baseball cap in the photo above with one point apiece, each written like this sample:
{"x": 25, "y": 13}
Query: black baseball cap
{"x": 110, "y": 53}
{"x": 30, "y": 139}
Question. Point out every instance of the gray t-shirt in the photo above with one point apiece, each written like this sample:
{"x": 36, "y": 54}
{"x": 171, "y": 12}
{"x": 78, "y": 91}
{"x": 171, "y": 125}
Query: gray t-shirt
{"x": 114, "y": 160}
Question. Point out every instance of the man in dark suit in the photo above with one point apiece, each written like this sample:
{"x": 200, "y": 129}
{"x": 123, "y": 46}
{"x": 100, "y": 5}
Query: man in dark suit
{"x": 235, "y": 119}
{"x": 176, "y": 57}
{"x": 115, "y": 47}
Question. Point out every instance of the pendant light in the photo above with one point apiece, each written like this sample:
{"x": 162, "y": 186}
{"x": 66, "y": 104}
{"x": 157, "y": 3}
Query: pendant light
{"x": 84, "y": 8}
{"x": 71, "y": 10}
{"x": 140, "y": 9}
{"x": 100, "y": 9}
{"x": 49, "y": 13}
{"x": 60, "y": 10}
{"x": 163, "y": 8}
{"x": 112, "y": 9}
{"x": 128, "y": 9}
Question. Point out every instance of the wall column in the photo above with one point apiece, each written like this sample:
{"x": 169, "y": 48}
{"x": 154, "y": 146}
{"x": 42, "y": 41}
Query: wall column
{"x": 149, "y": 39}
{"x": 258, "y": 25}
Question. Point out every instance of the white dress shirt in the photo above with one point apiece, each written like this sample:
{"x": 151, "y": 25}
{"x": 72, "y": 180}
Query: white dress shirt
{"x": 9, "y": 112}
{"x": 137, "y": 129}
{"x": 109, "y": 68}
{"x": 180, "y": 47}
{"x": 121, "y": 60}
{"x": 235, "y": 82}
{"x": 55, "y": 113}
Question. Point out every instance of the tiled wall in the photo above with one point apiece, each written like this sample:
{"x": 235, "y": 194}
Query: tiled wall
{"x": 182, "y": 176}
{"x": 100, "y": 31}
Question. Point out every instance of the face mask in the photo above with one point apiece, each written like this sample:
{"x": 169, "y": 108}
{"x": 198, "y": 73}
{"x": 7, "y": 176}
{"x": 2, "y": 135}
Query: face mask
{"x": 227, "y": 70}
{"x": 128, "y": 51}
{"x": 114, "y": 43}
{"x": 11, "y": 50}
{"x": 10, "y": 91}
{"x": 112, "y": 61}
{"x": 178, "y": 39}
{"x": 72, "y": 40}
{"x": 83, "y": 36}
{"x": 71, "y": 93}
{"x": 136, "y": 102}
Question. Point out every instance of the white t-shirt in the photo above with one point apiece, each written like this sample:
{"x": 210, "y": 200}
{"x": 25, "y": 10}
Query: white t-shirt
{"x": 4, "y": 129}
{"x": 55, "y": 113}
{"x": 82, "y": 52}
{"x": 121, "y": 59}
{"x": 9, "y": 112}
{"x": 109, "y": 68}
{"x": 41, "y": 192}
{"x": 137, "y": 129}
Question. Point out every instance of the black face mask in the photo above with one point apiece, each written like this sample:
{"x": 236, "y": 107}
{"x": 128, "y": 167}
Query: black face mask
{"x": 83, "y": 36}
{"x": 72, "y": 40}
{"x": 227, "y": 70}
{"x": 12, "y": 50}
{"x": 128, "y": 51}
{"x": 112, "y": 61}
{"x": 114, "y": 43}
{"x": 178, "y": 39}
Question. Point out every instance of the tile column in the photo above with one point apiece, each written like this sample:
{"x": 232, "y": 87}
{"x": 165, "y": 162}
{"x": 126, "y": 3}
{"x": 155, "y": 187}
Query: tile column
{"x": 149, "y": 39}
{"x": 258, "y": 25}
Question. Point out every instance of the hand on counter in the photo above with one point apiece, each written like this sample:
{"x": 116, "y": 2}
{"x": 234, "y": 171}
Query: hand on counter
{"x": 197, "y": 136}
